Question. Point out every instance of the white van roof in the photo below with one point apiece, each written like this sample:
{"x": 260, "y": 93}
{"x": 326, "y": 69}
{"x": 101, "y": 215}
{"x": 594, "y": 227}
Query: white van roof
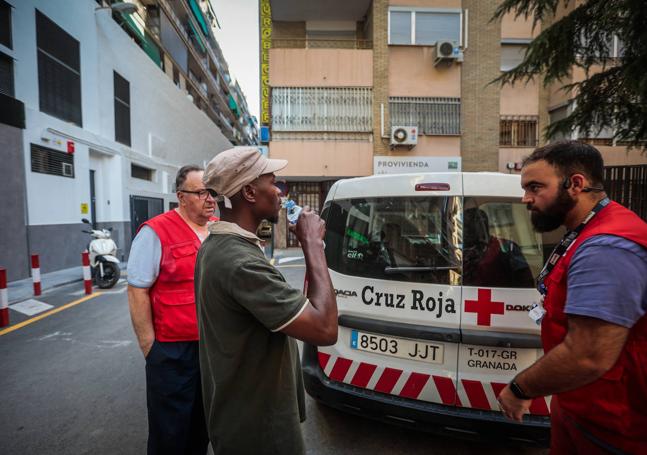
{"x": 493, "y": 184}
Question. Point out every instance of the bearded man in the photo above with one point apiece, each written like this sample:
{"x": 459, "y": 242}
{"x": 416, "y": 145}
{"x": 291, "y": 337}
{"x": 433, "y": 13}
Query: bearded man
{"x": 592, "y": 311}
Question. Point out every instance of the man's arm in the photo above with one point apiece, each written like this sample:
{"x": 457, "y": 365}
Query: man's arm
{"x": 591, "y": 347}
{"x": 317, "y": 323}
{"x": 143, "y": 269}
{"x": 142, "y": 317}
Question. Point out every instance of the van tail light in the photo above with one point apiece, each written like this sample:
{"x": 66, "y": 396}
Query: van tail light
{"x": 432, "y": 187}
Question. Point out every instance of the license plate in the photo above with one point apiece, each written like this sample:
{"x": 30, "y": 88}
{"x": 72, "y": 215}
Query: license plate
{"x": 423, "y": 351}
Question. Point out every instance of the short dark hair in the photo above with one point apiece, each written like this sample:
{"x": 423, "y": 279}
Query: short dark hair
{"x": 571, "y": 157}
{"x": 180, "y": 178}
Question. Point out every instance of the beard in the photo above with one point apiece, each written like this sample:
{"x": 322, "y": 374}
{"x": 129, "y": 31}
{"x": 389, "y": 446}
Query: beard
{"x": 554, "y": 215}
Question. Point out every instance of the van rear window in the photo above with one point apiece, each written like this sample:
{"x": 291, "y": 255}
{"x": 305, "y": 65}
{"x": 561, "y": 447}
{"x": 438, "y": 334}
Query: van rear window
{"x": 490, "y": 242}
{"x": 412, "y": 239}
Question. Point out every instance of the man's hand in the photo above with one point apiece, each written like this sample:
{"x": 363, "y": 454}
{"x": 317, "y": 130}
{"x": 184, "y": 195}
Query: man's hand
{"x": 310, "y": 229}
{"x": 142, "y": 317}
{"x": 146, "y": 346}
{"x": 513, "y": 408}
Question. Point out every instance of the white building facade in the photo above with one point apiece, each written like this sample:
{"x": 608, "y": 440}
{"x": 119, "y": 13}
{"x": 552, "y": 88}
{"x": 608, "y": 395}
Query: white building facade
{"x": 105, "y": 130}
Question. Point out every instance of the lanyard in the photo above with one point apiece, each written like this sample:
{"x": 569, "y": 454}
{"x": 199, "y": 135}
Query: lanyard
{"x": 564, "y": 244}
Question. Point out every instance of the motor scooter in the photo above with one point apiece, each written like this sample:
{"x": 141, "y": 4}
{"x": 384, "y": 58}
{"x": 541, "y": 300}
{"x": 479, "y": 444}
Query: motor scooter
{"x": 103, "y": 257}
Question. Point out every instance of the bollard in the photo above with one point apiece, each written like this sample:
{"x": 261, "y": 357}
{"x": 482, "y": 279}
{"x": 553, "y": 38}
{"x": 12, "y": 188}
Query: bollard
{"x": 35, "y": 273}
{"x": 87, "y": 275}
{"x": 4, "y": 299}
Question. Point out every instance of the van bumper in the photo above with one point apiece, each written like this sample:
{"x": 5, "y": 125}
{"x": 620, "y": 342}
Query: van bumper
{"x": 420, "y": 415}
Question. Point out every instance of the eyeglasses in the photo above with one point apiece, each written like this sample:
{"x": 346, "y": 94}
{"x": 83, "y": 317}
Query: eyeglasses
{"x": 202, "y": 194}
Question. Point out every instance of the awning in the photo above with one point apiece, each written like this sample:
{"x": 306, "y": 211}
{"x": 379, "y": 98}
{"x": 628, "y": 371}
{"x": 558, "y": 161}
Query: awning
{"x": 233, "y": 106}
{"x": 197, "y": 12}
{"x": 196, "y": 36}
{"x": 147, "y": 43}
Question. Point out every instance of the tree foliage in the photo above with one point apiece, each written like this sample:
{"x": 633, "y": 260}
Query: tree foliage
{"x": 614, "y": 92}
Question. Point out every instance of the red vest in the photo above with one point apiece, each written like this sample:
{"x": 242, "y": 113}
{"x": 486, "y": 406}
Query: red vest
{"x": 173, "y": 296}
{"x": 614, "y": 407}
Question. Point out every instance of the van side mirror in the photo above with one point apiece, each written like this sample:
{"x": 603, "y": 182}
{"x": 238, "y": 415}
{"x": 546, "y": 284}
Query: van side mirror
{"x": 85, "y": 220}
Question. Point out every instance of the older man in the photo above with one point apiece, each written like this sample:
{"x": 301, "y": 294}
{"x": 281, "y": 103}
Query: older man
{"x": 162, "y": 308}
{"x": 249, "y": 316}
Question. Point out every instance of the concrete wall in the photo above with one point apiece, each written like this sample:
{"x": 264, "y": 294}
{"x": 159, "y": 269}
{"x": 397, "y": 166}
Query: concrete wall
{"x": 14, "y": 249}
{"x": 321, "y": 68}
{"x": 412, "y": 73}
{"x": 324, "y": 158}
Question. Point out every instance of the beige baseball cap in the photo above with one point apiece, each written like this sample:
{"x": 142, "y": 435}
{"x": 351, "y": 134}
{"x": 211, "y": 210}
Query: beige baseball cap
{"x": 232, "y": 169}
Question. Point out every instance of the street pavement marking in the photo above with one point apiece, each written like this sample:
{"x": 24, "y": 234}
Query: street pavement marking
{"x": 290, "y": 259}
{"x": 31, "y": 307}
{"x": 49, "y": 313}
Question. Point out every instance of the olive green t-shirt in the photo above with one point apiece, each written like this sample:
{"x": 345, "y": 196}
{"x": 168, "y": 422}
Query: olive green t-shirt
{"x": 251, "y": 374}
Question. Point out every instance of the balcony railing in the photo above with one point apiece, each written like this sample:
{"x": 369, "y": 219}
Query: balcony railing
{"x": 293, "y": 43}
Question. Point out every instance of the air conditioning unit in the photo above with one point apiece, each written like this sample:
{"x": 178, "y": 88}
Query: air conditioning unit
{"x": 404, "y": 135}
{"x": 447, "y": 52}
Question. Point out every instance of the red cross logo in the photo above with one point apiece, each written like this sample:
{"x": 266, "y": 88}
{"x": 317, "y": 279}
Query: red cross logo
{"x": 484, "y": 307}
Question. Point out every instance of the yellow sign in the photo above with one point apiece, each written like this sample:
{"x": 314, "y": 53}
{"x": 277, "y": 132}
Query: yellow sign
{"x": 85, "y": 208}
{"x": 266, "y": 44}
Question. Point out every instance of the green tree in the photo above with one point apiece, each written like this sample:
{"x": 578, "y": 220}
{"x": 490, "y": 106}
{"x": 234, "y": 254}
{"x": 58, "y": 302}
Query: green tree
{"x": 614, "y": 94}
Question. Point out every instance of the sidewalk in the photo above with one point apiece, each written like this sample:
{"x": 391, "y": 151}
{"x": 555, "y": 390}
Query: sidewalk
{"x": 24, "y": 289}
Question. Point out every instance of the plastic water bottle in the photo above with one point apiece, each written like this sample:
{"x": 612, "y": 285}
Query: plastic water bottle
{"x": 293, "y": 210}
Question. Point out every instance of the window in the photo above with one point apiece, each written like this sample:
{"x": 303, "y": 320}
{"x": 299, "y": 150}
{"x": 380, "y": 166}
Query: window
{"x": 49, "y": 161}
{"x": 122, "y": 109}
{"x": 432, "y": 116}
{"x": 518, "y": 131}
{"x": 59, "y": 71}
{"x": 512, "y": 55}
{"x": 500, "y": 247}
{"x": 424, "y": 27}
{"x": 140, "y": 172}
{"x": 6, "y": 75}
{"x": 558, "y": 114}
{"x": 322, "y": 109}
{"x": 396, "y": 238}
{"x": 5, "y": 24}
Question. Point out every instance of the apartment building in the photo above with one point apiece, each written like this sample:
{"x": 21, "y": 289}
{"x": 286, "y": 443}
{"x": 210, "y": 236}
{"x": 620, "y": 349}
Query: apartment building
{"x": 101, "y": 102}
{"x": 387, "y": 86}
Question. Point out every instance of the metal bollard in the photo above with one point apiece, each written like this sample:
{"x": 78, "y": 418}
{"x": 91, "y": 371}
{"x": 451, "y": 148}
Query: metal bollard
{"x": 4, "y": 299}
{"x": 87, "y": 275}
{"x": 35, "y": 274}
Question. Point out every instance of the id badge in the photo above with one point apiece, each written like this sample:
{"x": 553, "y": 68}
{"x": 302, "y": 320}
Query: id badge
{"x": 537, "y": 311}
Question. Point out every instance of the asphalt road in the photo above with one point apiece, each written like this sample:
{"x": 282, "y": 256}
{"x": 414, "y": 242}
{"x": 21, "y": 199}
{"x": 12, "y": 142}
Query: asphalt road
{"x": 73, "y": 383}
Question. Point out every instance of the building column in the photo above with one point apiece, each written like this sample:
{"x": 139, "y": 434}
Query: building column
{"x": 480, "y": 99}
{"x": 380, "y": 75}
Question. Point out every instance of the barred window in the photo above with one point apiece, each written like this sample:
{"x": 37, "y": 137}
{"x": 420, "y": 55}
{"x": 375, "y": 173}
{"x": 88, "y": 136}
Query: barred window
{"x": 59, "y": 71}
{"x": 433, "y": 116}
{"x": 322, "y": 109}
{"x": 50, "y": 161}
{"x": 518, "y": 131}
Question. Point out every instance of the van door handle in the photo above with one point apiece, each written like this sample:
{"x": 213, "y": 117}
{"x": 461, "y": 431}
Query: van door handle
{"x": 420, "y": 332}
{"x": 501, "y": 339}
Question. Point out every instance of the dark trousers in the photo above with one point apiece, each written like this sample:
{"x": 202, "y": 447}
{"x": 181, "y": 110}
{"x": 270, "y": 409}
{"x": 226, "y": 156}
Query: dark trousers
{"x": 176, "y": 423}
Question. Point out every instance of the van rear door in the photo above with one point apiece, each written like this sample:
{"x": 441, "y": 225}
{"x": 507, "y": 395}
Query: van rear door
{"x": 501, "y": 256}
{"x": 392, "y": 246}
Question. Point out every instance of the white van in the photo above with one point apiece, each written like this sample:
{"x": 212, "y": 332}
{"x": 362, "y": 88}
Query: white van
{"x": 434, "y": 279}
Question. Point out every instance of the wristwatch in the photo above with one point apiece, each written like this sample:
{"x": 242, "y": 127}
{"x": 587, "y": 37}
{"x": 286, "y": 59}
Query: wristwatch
{"x": 518, "y": 391}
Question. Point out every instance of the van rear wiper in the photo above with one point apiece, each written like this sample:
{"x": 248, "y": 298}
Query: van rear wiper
{"x": 389, "y": 270}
